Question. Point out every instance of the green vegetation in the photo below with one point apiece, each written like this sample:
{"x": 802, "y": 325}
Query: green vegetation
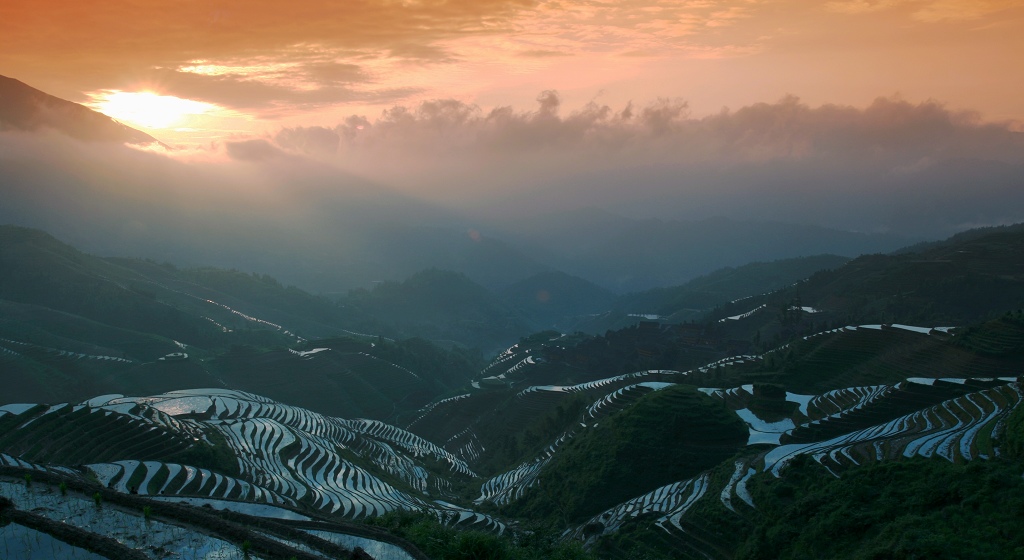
{"x": 871, "y": 357}
{"x": 1013, "y": 435}
{"x": 1002, "y": 337}
{"x": 922, "y": 508}
{"x": 447, "y": 369}
{"x": 356, "y": 378}
{"x": 216, "y": 455}
{"x": 516, "y": 433}
{"x": 666, "y": 436}
{"x": 963, "y": 280}
{"x": 727, "y": 284}
{"x": 440, "y": 542}
{"x": 69, "y": 313}
{"x": 441, "y": 305}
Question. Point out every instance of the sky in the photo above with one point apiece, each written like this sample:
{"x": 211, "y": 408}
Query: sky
{"x": 212, "y": 70}
{"x": 518, "y": 118}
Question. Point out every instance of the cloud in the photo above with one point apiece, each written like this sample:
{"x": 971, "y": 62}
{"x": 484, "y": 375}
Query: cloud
{"x": 313, "y": 140}
{"x": 256, "y": 149}
{"x": 270, "y": 62}
{"x": 331, "y": 204}
{"x": 953, "y": 10}
{"x": 96, "y": 44}
{"x": 931, "y": 11}
{"x": 542, "y": 53}
{"x": 154, "y": 31}
{"x": 832, "y": 164}
{"x": 297, "y": 88}
{"x": 662, "y": 131}
{"x": 862, "y": 6}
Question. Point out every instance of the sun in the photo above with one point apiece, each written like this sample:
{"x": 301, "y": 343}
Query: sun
{"x": 147, "y": 109}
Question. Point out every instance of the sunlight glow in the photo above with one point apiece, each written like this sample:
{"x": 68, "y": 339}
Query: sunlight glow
{"x": 148, "y": 109}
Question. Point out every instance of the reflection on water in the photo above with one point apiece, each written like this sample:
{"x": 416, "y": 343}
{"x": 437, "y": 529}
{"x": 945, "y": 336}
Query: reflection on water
{"x": 21, "y": 543}
{"x": 377, "y": 549}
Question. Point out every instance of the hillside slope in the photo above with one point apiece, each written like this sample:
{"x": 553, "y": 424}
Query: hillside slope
{"x": 74, "y": 325}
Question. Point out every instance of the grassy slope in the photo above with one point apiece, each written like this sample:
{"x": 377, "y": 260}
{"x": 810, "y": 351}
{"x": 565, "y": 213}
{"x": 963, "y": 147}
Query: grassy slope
{"x": 666, "y": 436}
{"x": 59, "y": 299}
{"x": 960, "y": 281}
{"x": 356, "y": 378}
{"x": 867, "y": 357}
{"x": 923, "y": 508}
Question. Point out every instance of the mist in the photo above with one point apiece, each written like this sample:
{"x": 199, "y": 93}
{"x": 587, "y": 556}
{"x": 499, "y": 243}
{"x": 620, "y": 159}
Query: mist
{"x": 895, "y": 166}
{"x": 629, "y": 198}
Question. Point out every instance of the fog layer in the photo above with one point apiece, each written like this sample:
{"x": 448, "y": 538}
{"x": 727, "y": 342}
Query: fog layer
{"x": 630, "y": 198}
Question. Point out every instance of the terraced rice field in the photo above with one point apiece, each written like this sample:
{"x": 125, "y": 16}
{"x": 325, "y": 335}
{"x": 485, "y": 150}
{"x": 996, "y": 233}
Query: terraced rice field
{"x": 510, "y": 485}
{"x": 622, "y": 398}
{"x": 157, "y": 478}
{"x": 286, "y": 455}
{"x": 355, "y": 468}
{"x": 423, "y": 412}
{"x": 672, "y": 501}
{"x": 742, "y": 316}
{"x": 948, "y": 429}
{"x": 23, "y": 542}
{"x": 127, "y": 527}
{"x": 920, "y": 416}
{"x": 15, "y": 348}
{"x": 260, "y": 431}
{"x": 737, "y": 487}
{"x": 597, "y": 384}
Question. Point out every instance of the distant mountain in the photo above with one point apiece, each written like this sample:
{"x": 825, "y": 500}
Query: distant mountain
{"x": 556, "y": 299}
{"x": 970, "y": 277}
{"x": 726, "y": 284}
{"x": 353, "y": 232}
{"x": 23, "y": 107}
{"x": 214, "y": 308}
{"x": 961, "y": 237}
{"x": 402, "y": 251}
{"x": 961, "y": 281}
{"x": 444, "y": 306}
{"x": 694, "y": 299}
{"x": 192, "y": 306}
{"x": 629, "y": 255}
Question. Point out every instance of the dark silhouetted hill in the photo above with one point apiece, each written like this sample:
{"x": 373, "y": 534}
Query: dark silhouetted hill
{"x": 23, "y": 107}
{"x": 557, "y": 299}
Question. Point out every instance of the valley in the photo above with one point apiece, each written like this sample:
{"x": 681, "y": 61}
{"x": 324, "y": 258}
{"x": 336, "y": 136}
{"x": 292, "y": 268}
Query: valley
{"x": 213, "y": 390}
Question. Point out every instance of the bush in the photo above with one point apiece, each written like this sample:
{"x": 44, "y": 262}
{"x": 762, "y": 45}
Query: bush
{"x": 920, "y": 508}
{"x": 440, "y": 542}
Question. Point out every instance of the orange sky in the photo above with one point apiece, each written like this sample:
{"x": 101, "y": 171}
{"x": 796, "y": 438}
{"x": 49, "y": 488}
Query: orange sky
{"x": 262, "y": 65}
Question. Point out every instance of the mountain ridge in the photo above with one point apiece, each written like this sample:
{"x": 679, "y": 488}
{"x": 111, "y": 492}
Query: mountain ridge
{"x": 26, "y": 108}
